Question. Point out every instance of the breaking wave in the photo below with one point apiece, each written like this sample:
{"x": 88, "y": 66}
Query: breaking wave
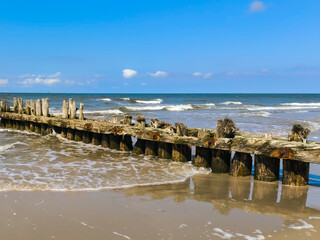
{"x": 315, "y": 104}
{"x": 231, "y": 103}
{"x": 154, "y": 101}
{"x": 174, "y": 108}
{"x": 108, "y": 111}
{"x": 106, "y": 99}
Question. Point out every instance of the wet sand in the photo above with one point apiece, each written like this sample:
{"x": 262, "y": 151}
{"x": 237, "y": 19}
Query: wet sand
{"x": 203, "y": 207}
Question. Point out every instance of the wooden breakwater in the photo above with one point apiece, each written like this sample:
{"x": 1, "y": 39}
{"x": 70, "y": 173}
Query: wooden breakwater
{"x": 157, "y": 138}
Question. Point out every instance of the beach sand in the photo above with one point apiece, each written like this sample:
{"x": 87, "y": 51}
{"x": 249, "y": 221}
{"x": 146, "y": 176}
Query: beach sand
{"x": 203, "y": 207}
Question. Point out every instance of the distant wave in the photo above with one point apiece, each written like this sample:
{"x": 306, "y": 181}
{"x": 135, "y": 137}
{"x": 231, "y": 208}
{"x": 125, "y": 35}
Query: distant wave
{"x": 231, "y": 103}
{"x": 106, "y": 99}
{"x": 174, "y": 108}
{"x": 125, "y": 99}
{"x": 283, "y": 107}
{"x": 315, "y": 104}
{"x": 108, "y": 111}
{"x": 154, "y": 101}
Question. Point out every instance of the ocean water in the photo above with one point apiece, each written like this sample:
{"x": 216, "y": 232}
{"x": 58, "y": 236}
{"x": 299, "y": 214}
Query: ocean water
{"x": 32, "y": 162}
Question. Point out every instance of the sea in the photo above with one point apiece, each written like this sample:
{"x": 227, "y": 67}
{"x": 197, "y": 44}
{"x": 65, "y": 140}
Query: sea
{"x": 51, "y": 163}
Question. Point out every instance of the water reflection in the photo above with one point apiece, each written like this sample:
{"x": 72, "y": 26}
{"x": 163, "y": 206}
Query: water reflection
{"x": 227, "y": 193}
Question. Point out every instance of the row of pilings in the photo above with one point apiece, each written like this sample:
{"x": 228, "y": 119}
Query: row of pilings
{"x": 266, "y": 168}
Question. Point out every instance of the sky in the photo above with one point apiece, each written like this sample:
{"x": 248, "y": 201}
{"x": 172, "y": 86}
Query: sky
{"x": 167, "y": 46}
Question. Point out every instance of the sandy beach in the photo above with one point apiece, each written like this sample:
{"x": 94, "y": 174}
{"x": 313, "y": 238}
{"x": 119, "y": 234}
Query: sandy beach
{"x": 202, "y": 207}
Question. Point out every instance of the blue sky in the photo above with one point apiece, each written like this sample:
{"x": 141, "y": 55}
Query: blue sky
{"x": 164, "y": 46}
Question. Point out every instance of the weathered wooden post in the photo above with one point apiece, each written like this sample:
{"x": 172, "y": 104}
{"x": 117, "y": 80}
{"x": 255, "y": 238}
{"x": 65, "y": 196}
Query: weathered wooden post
{"x": 139, "y": 147}
{"x": 15, "y": 105}
{"x": 165, "y": 150}
{"x": 81, "y": 116}
{"x": 7, "y": 107}
{"x": 33, "y": 108}
{"x": 181, "y": 153}
{"x": 45, "y": 107}
{"x": 64, "y": 109}
{"x": 141, "y": 121}
{"x": 27, "y": 126}
{"x": 220, "y": 162}
{"x": 63, "y": 132}
{"x": 20, "y": 106}
{"x": 2, "y": 123}
{"x": 114, "y": 141}
{"x": 32, "y": 127}
{"x": 241, "y": 164}
{"x": 266, "y": 168}
{"x": 43, "y": 129}
{"x": 37, "y": 128}
{"x": 127, "y": 119}
{"x": 73, "y": 110}
{"x": 181, "y": 129}
{"x": 70, "y": 106}
{"x": 14, "y": 124}
{"x": 126, "y": 143}
{"x": 70, "y": 134}
{"x": 9, "y": 123}
{"x": 202, "y": 157}
{"x": 87, "y": 137}
{"x": 78, "y": 135}
{"x": 27, "y": 108}
{"x": 38, "y": 108}
{"x": 296, "y": 173}
{"x": 105, "y": 141}
{"x": 96, "y": 139}
{"x": 151, "y": 148}
{"x": 3, "y": 106}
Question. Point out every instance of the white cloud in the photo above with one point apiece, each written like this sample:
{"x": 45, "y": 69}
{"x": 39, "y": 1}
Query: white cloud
{"x": 143, "y": 84}
{"x": 204, "y": 75}
{"x": 42, "y": 79}
{"x": 257, "y": 6}
{"x": 159, "y": 74}
{"x": 129, "y": 73}
{"x": 4, "y": 81}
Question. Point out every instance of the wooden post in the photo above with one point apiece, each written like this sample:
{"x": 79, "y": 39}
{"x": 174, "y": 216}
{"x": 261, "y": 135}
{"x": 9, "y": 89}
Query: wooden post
{"x": 27, "y": 126}
{"x": 64, "y": 132}
{"x": 81, "y": 116}
{"x": 38, "y": 108}
{"x": 151, "y": 148}
{"x": 15, "y": 105}
{"x": 203, "y": 157}
{"x": 141, "y": 121}
{"x": 27, "y": 108}
{"x": 2, "y": 123}
{"x": 181, "y": 153}
{"x": 32, "y": 127}
{"x": 43, "y": 129}
{"x": 21, "y": 126}
{"x": 266, "y": 168}
{"x": 181, "y": 129}
{"x": 57, "y": 130}
{"x": 78, "y": 135}
{"x": 139, "y": 147}
{"x": 45, "y": 107}
{"x": 126, "y": 143}
{"x": 241, "y": 164}
{"x": 96, "y": 139}
{"x": 70, "y": 107}
{"x": 220, "y": 162}
{"x": 105, "y": 141}
{"x": 73, "y": 110}
{"x": 165, "y": 150}
{"x": 14, "y": 124}
{"x": 37, "y": 128}
{"x": 64, "y": 109}
{"x": 33, "y": 108}
{"x": 295, "y": 173}
{"x": 115, "y": 141}
{"x": 87, "y": 137}
{"x": 70, "y": 134}
{"x": 20, "y": 106}
{"x": 7, "y": 108}
{"x": 3, "y": 106}
{"x": 127, "y": 119}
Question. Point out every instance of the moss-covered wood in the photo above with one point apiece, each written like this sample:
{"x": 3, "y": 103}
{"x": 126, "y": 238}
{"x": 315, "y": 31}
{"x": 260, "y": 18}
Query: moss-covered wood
{"x": 96, "y": 139}
{"x": 115, "y": 141}
{"x": 139, "y": 147}
{"x": 220, "y": 162}
{"x": 151, "y": 148}
{"x": 241, "y": 164}
{"x": 165, "y": 150}
{"x": 295, "y": 173}
{"x": 126, "y": 143}
{"x": 181, "y": 153}
{"x": 203, "y": 157}
{"x": 105, "y": 141}
{"x": 266, "y": 168}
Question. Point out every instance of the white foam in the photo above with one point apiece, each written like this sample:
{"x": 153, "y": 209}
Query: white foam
{"x": 248, "y": 237}
{"x": 10, "y": 145}
{"x": 122, "y": 235}
{"x": 154, "y": 101}
{"x": 231, "y": 103}
{"x": 105, "y": 99}
{"x": 125, "y": 99}
{"x": 314, "y": 217}
{"x": 107, "y": 111}
{"x": 181, "y": 107}
{"x": 222, "y": 234}
{"x": 304, "y": 225}
{"x": 175, "y": 108}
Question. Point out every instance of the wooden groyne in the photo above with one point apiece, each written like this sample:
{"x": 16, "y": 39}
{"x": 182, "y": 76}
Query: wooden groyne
{"x": 157, "y": 138}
